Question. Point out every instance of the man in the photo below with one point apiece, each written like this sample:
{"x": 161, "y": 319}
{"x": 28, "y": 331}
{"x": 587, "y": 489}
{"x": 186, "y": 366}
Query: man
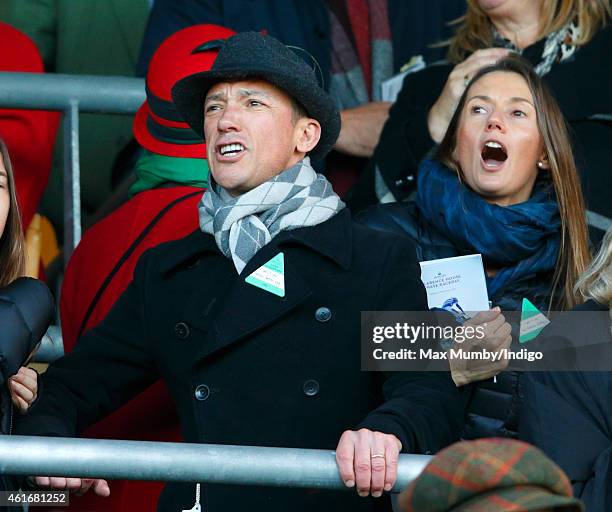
{"x": 171, "y": 176}
{"x": 253, "y": 321}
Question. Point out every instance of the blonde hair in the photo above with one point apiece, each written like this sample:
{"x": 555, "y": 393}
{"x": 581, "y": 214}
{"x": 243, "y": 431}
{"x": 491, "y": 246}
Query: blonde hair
{"x": 574, "y": 253}
{"x": 596, "y": 281}
{"x": 12, "y": 254}
{"x": 474, "y": 28}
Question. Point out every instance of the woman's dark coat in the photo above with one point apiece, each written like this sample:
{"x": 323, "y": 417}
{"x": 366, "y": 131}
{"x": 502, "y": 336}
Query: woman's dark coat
{"x": 405, "y": 219}
{"x": 494, "y": 404}
{"x": 247, "y": 367}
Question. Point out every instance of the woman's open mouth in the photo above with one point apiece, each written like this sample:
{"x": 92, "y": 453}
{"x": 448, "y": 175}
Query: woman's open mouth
{"x": 493, "y": 155}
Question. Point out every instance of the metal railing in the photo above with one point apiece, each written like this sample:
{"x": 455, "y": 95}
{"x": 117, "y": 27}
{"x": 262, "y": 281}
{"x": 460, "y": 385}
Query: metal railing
{"x": 182, "y": 462}
{"x": 71, "y": 94}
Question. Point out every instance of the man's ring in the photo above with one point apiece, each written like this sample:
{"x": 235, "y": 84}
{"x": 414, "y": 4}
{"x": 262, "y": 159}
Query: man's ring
{"x": 466, "y": 80}
{"x": 377, "y": 456}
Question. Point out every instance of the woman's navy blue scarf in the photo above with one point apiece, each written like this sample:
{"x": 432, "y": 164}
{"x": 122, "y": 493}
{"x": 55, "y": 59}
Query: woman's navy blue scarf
{"x": 522, "y": 239}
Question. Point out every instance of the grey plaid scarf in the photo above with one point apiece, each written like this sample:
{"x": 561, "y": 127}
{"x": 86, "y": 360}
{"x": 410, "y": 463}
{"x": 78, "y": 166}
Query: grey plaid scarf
{"x": 295, "y": 198}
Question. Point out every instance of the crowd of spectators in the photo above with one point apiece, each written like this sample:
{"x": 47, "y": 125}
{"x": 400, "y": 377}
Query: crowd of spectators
{"x": 498, "y": 143}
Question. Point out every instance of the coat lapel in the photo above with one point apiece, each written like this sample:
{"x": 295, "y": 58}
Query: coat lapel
{"x": 246, "y": 309}
{"x": 236, "y": 309}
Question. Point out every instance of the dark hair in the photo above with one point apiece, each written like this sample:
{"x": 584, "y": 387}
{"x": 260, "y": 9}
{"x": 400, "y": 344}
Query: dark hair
{"x": 573, "y": 252}
{"x": 12, "y": 255}
{"x": 297, "y": 110}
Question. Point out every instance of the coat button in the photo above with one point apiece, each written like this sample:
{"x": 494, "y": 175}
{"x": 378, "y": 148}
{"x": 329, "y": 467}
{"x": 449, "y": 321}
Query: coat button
{"x": 181, "y": 329}
{"x": 323, "y": 314}
{"x": 202, "y": 392}
{"x": 311, "y": 387}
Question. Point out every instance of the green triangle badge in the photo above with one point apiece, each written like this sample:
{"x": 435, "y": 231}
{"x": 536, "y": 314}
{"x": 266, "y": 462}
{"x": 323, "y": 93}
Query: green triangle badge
{"x": 532, "y": 322}
{"x": 270, "y": 276}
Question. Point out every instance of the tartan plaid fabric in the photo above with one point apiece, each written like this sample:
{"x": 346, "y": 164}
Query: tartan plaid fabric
{"x": 295, "y": 198}
{"x": 490, "y": 475}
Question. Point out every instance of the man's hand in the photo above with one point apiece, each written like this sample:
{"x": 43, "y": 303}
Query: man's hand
{"x": 361, "y": 128}
{"x": 497, "y": 337}
{"x": 77, "y": 486}
{"x": 369, "y": 460}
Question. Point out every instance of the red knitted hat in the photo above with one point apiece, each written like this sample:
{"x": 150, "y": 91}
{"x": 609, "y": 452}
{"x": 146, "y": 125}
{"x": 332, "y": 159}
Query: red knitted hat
{"x": 158, "y": 126}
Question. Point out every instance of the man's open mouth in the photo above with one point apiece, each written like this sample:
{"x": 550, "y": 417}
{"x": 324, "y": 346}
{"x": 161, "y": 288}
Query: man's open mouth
{"x": 230, "y": 149}
{"x": 493, "y": 154}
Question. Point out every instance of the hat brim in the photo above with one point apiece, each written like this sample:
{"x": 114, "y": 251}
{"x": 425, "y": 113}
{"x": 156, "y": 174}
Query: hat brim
{"x": 189, "y": 93}
{"x": 149, "y": 142}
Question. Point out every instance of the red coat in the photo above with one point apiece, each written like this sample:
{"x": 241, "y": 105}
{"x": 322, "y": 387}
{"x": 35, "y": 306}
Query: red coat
{"x": 150, "y": 416}
{"x": 29, "y": 134}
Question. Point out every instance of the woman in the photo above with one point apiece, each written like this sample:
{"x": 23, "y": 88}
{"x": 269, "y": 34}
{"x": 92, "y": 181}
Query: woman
{"x": 23, "y": 385}
{"x": 17, "y": 296}
{"x": 502, "y": 183}
{"x": 569, "y": 414}
{"x": 567, "y": 45}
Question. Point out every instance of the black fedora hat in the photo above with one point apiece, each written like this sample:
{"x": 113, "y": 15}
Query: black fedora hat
{"x": 254, "y": 55}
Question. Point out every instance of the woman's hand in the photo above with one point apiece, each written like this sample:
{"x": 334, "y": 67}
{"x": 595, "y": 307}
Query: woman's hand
{"x": 23, "y": 387}
{"x": 443, "y": 109}
{"x": 496, "y": 336}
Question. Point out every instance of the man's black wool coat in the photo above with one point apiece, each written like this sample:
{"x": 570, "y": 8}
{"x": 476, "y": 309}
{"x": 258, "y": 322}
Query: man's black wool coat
{"x": 247, "y": 367}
